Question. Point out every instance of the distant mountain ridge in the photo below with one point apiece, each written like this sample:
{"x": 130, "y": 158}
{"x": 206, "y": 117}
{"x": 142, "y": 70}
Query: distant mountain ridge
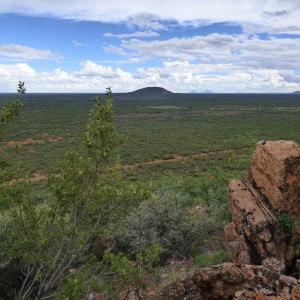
{"x": 296, "y": 92}
{"x": 151, "y": 90}
{"x": 204, "y": 92}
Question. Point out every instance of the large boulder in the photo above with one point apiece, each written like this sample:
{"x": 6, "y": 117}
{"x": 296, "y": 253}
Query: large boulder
{"x": 264, "y": 206}
{"x": 275, "y": 170}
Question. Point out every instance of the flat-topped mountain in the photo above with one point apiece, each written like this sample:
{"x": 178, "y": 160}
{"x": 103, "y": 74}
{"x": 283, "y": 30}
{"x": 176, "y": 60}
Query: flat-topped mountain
{"x": 152, "y": 90}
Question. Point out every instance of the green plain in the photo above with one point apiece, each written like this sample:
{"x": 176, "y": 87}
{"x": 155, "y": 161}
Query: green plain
{"x": 204, "y": 130}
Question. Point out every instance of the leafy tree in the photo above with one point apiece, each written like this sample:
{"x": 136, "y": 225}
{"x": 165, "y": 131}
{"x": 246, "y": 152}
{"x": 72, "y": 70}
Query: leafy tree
{"x": 49, "y": 243}
{"x": 9, "y": 112}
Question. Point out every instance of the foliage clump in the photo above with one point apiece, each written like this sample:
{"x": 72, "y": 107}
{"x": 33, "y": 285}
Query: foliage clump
{"x": 49, "y": 244}
{"x": 162, "y": 220}
{"x": 285, "y": 221}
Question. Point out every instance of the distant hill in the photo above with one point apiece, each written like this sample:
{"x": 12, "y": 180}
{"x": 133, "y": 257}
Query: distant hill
{"x": 204, "y": 92}
{"x": 151, "y": 90}
{"x": 207, "y": 92}
{"x": 296, "y": 92}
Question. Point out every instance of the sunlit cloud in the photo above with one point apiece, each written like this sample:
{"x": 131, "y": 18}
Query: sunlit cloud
{"x": 19, "y": 52}
{"x": 176, "y": 76}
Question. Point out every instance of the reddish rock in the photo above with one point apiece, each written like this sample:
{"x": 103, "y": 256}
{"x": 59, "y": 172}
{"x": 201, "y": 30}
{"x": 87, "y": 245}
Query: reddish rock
{"x": 98, "y": 297}
{"x": 237, "y": 245}
{"x": 275, "y": 170}
{"x": 262, "y": 296}
{"x": 271, "y": 189}
{"x": 260, "y": 243}
{"x": 232, "y": 281}
{"x": 254, "y": 233}
{"x": 296, "y": 293}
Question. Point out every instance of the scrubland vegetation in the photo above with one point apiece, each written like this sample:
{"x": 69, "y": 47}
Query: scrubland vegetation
{"x": 131, "y": 192}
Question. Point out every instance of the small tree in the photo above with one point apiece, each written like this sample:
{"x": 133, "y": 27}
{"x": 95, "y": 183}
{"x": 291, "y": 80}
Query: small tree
{"x": 50, "y": 241}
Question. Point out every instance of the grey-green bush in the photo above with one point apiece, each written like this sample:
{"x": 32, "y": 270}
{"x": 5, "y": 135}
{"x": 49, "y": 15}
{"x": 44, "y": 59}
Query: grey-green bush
{"x": 163, "y": 221}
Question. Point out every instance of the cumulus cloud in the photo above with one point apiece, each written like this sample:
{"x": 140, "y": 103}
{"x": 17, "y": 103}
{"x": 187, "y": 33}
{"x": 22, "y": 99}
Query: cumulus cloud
{"x": 11, "y": 74}
{"x": 276, "y": 15}
{"x": 177, "y": 76}
{"x": 242, "y": 50}
{"x": 138, "y": 34}
{"x": 114, "y": 49}
{"x": 92, "y": 69}
{"x": 290, "y": 76}
{"x": 22, "y": 69}
{"x": 146, "y": 20}
{"x": 19, "y": 52}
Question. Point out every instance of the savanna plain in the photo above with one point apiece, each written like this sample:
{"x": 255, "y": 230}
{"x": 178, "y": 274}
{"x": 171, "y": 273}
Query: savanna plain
{"x": 181, "y": 150}
{"x": 173, "y": 134}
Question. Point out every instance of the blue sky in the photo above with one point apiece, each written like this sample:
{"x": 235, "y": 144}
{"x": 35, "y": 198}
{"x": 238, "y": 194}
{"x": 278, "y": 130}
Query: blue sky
{"x": 85, "y": 46}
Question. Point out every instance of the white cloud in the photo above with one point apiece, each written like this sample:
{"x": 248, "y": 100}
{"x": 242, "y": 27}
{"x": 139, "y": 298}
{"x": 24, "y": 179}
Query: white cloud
{"x": 11, "y": 74}
{"x": 23, "y": 70}
{"x": 241, "y": 50}
{"x": 182, "y": 48}
{"x": 79, "y": 44}
{"x": 146, "y": 20}
{"x": 270, "y": 15}
{"x": 19, "y": 52}
{"x": 290, "y": 76}
{"x": 138, "y": 34}
{"x": 114, "y": 49}
{"x": 92, "y": 69}
{"x": 177, "y": 76}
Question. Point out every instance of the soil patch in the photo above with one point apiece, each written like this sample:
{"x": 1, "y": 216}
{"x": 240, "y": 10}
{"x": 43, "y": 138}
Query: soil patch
{"x": 177, "y": 158}
{"x": 31, "y": 141}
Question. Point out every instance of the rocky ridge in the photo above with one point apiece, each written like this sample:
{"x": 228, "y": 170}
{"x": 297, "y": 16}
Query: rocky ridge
{"x": 263, "y": 236}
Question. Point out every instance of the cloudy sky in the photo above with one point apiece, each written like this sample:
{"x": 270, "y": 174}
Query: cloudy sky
{"x": 85, "y": 46}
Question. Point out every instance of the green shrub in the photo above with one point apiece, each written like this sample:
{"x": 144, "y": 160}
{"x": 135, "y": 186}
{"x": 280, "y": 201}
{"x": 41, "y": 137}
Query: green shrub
{"x": 209, "y": 190}
{"x": 134, "y": 270}
{"x": 210, "y": 259}
{"x": 162, "y": 221}
{"x": 285, "y": 221}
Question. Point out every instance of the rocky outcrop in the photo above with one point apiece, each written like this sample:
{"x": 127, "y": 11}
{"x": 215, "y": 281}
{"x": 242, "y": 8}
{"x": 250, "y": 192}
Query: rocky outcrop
{"x": 265, "y": 206}
{"x": 275, "y": 171}
{"x": 264, "y": 235}
{"x": 235, "y": 281}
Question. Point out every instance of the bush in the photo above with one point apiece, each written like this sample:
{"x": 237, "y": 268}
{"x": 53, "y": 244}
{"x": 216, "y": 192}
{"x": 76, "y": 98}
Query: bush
{"x": 285, "y": 221}
{"x": 162, "y": 221}
{"x": 209, "y": 190}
